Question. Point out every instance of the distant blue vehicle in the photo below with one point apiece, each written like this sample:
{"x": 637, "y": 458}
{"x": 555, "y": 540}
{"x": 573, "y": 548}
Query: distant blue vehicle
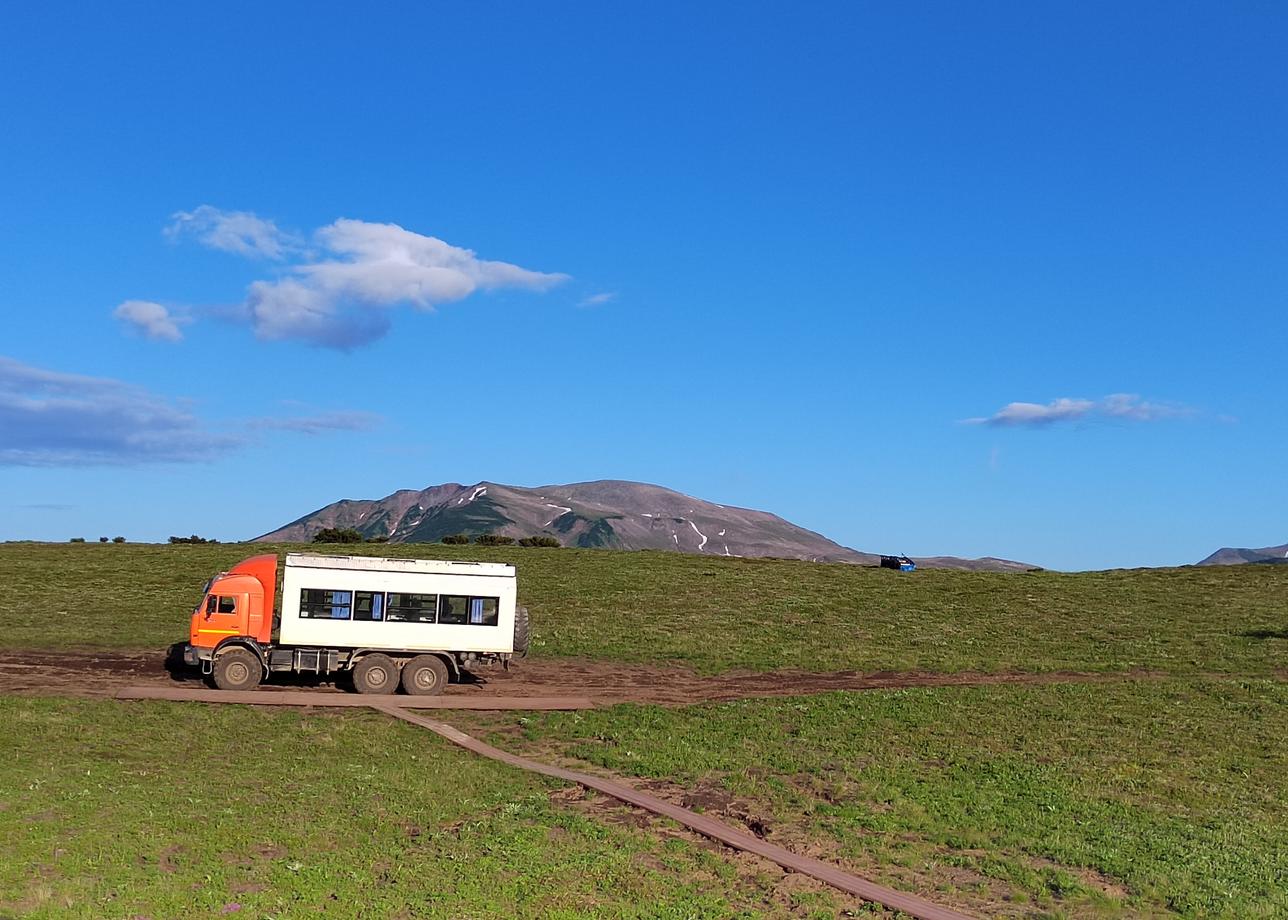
{"x": 899, "y": 563}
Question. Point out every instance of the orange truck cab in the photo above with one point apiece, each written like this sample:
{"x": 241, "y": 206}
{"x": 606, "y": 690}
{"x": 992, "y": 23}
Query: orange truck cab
{"x": 387, "y": 623}
{"x": 236, "y": 603}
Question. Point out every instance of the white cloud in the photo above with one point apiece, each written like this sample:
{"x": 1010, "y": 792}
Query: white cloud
{"x": 48, "y": 418}
{"x": 1127, "y": 406}
{"x": 596, "y": 300}
{"x": 342, "y": 294}
{"x": 239, "y": 232}
{"x": 151, "y": 320}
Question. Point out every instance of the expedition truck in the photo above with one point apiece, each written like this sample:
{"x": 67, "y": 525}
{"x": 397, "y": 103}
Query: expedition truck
{"x": 384, "y": 622}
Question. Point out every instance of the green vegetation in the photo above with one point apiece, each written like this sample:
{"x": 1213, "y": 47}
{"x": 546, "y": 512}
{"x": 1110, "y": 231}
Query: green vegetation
{"x": 173, "y": 810}
{"x": 337, "y": 535}
{"x": 1152, "y": 796}
{"x": 1119, "y": 797}
{"x": 767, "y": 614}
{"x": 456, "y": 539}
{"x": 493, "y": 539}
{"x": 550, "y": 542}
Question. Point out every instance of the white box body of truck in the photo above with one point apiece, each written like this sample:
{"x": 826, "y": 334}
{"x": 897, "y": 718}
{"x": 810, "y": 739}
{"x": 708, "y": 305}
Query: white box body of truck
{"x": 352, "y": 602}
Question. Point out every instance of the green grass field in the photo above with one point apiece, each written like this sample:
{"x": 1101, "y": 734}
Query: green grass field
{"x": 1151, "y": 797}
{"x": 1134, "y": 797}
{"x": 179, "y": 810}
{"x": 768, "y": 614}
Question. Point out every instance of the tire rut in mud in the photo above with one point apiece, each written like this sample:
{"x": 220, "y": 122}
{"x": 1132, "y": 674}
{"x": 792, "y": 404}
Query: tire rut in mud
{"x": 96, "y": 672}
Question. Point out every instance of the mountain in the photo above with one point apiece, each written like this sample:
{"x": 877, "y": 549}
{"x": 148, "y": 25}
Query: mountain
{"x": 1229, "y": 555}
{"x": 607, "y": 513}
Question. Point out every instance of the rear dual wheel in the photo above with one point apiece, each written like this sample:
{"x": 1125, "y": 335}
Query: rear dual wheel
{"x": 424, "y": 675}
{"x": 375, "y": 674}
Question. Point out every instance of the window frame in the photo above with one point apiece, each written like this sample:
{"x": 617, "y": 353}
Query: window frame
{"x": 306, "y": 606}
{"x": 432, "y": 610}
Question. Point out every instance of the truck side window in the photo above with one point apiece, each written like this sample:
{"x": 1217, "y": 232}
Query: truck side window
{"x": 454, "y": 609}
{"x": 321, "y": 604}
{"x": 483, "y": 611}
{"x": 212, "y": 604}
{"x": 227, "y": 605}
{"x": 369, "y": 605}
{"x": 412, "y": 608}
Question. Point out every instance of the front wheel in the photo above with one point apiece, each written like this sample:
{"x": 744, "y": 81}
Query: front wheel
{"x": 375, "y": 674}
{"x": 424, "y": 675}
{"x": 237, "y": 669}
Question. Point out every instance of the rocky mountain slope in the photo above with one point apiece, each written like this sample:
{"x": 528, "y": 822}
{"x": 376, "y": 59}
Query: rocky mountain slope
{"x": 607, "y": 513}
{"x": 1229, "y": 555}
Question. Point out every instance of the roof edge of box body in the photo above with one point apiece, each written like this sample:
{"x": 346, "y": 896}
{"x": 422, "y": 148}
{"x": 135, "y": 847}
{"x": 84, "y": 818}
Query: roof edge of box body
{"x": 385, "y": 564}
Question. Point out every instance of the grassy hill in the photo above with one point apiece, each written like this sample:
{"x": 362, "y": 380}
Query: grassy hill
{"x": 716, "y": 614}
{"x": 1130, "y": 797}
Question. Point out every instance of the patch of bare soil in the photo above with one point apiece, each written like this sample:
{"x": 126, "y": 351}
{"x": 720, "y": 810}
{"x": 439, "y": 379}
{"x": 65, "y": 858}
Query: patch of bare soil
{"x": 609, "y": 682}
{"x": 98, "y": 673}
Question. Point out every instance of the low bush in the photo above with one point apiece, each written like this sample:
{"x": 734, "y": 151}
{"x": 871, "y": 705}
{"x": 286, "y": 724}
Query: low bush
{"x": 539, "y": 541}
{"x": 337, "y": 535}
{"x": 456, "y": 539}
{"x": 493, "y": 539}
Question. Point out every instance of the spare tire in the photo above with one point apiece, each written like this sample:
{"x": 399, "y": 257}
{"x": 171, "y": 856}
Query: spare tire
{"x": 521, "y": 629}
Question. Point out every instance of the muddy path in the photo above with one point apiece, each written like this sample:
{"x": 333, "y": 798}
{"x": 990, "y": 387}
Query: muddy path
{"x": 102, "y": 673}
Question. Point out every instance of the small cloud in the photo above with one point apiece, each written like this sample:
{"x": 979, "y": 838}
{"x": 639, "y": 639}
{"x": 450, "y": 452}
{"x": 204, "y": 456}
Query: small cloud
{"x": 342, "y": 295}
{"x": 322, "y": 422}
{"x": 238, "y": 232}
{"x": 596, "y": 300}
{"x": 151, "y": 320}
{"x": 1126, "y": 406}
{"x": 49, "y": 418}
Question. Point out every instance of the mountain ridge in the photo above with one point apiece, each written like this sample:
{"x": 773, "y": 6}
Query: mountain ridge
{"x": 1234, "y": 555}
{"x": 605, "y": 513}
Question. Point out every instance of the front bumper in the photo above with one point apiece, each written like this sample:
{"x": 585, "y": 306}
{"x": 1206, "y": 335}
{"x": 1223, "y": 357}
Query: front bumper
{"x": 194, "y": 655}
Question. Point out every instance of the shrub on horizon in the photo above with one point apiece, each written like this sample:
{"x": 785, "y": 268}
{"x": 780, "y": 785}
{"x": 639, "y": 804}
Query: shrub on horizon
{"x": 539, "y": 541}
{"x": 337, "y": 535}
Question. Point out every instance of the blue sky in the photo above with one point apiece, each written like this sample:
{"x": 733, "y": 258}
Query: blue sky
{"x": 1002, "y": 279}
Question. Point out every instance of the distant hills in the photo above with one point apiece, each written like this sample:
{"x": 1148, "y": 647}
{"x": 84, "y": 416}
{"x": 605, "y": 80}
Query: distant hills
{"x": 608, "y": 513}
{"x": 1229, "y": 555}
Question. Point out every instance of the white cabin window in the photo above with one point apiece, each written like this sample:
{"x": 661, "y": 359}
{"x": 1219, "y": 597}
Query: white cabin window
{"x": 468, "y": 611}
{"x": 321, "y": 604}
{"x": 483, "y": 611}
{"x": 369, "y": 606}
{"x": 412, "y": 608}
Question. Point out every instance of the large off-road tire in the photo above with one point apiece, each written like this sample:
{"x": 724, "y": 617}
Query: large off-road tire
{"x": 522, "y": 627}
{"x": 237, "y": 668}
{"x": 424, "y": 675}
{"x": 375, "y": 674}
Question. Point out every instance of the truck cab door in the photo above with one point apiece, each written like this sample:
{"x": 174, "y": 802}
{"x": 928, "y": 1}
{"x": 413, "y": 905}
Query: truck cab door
{"x": 224, "y": 616}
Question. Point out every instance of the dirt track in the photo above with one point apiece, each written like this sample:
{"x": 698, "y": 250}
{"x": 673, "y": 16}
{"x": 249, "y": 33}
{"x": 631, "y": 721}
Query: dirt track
{"x": 104, "y": 673}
